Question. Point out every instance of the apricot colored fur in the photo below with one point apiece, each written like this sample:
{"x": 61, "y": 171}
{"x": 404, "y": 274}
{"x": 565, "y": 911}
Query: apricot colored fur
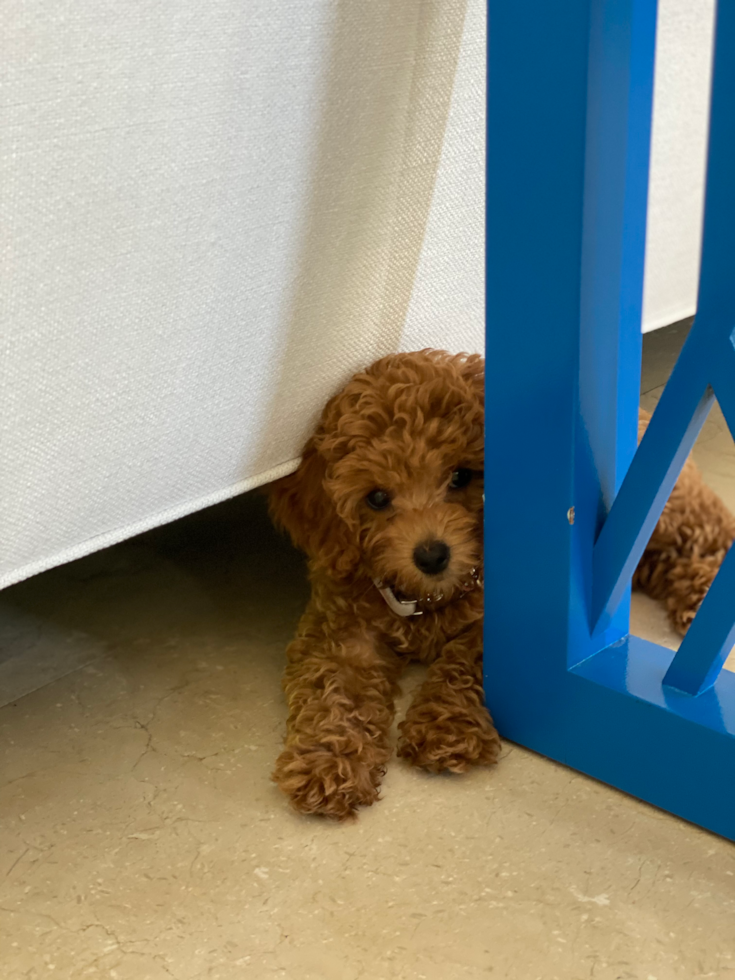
{"x": 404, "y": 425}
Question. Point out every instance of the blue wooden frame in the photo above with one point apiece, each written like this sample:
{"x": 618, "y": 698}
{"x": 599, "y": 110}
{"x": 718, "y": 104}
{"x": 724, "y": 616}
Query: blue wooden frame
{"x": 569, "y": 503}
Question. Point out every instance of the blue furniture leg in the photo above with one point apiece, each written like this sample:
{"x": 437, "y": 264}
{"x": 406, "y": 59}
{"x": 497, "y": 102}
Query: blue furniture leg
{"x": 569, "y": 108}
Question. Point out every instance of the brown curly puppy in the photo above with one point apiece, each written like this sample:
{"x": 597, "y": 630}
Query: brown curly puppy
{"x": 387, "y": 504}
{"x": 687, "y": 546}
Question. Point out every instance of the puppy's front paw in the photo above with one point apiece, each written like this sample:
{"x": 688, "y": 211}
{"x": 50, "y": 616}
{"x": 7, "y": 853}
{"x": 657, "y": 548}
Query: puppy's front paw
{"x": 316, "y": 780}
{"x": 441, "y": 737}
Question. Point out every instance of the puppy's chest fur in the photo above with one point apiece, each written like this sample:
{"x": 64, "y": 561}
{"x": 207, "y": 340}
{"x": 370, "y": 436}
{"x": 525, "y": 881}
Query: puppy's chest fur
{"x": 362, "y": 610}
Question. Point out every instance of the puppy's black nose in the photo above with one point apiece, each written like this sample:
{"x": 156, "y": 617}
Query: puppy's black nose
{"x": 432, "y": 557}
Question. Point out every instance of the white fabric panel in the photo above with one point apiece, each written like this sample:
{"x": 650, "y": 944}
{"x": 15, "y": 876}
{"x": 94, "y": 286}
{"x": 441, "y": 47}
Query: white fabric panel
{"x": 211, "y": 215}
{"x": 678, "y": 158}
{"x": 447, "y": 308}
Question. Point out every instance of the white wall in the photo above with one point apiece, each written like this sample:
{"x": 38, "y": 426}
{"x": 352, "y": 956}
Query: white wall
{"x": 676, "y": 190}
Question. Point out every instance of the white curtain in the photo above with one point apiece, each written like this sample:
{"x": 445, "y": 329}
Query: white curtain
{"x": 211, "y": 215}
{"x": 678, "y": 157}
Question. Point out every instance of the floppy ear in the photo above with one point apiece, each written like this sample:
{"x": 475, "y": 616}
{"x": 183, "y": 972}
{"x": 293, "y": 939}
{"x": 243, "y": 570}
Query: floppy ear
{"x": 300, "y": 505}
{"x": 297, "y": 501}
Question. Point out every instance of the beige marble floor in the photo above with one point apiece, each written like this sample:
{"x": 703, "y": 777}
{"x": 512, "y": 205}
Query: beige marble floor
{"x": 141, "y": 839}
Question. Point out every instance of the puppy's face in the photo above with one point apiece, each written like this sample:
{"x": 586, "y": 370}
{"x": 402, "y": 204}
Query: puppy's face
{"x": 414, "y": 511}
{"x": 392, "y": 482}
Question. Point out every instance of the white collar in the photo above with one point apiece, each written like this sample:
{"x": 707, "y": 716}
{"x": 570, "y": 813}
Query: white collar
{"x": 409, "y": 607}
{"x": 401, "y": 607}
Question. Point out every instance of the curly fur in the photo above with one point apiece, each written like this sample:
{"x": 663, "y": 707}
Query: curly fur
{"x": 405, "y": 425}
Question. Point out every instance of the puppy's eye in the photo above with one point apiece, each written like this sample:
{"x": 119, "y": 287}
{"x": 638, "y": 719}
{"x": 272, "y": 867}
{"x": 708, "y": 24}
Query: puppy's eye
{"x": 460, "y": 478}
{"x": 378, "y": 499}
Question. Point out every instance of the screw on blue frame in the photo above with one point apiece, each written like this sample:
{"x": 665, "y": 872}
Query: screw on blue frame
{"x": 569, "y": 113}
